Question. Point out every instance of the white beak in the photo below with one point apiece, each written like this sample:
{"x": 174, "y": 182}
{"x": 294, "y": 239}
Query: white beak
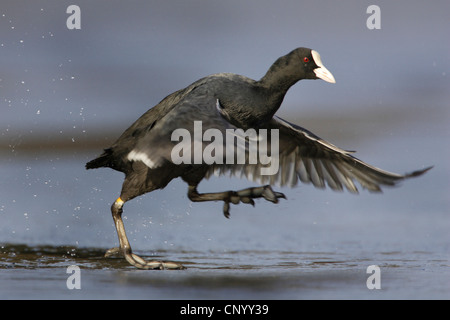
{"x": 321, "y": 72}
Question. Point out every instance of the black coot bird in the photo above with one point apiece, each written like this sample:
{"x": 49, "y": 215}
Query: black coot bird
{"x": 232, "y": 105}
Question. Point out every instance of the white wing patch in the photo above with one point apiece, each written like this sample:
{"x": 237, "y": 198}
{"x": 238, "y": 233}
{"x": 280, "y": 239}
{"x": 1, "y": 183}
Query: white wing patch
{"x": 142, "y": 156}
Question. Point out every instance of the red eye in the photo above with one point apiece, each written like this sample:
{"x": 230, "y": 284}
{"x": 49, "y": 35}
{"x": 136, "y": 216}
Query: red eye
{"x": 305, "y": 59}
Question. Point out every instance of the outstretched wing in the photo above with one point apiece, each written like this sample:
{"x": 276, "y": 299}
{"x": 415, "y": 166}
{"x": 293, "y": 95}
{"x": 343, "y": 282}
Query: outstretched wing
{"x": 299, "y": 154}
{"x": 306, "y": 157}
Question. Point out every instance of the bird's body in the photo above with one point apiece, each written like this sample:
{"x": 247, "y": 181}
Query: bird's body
{"x": 224, "y": 103}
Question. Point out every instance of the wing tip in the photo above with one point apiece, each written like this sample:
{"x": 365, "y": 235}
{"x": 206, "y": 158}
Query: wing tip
{"x": 418, "y": 172}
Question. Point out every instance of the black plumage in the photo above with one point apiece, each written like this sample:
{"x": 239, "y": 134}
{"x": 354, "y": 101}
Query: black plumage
{"x": 230, "y": 102}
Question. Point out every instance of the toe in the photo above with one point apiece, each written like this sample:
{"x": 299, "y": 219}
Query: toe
{"x": 113, "y": 252}
{"x": 269, "y": 195}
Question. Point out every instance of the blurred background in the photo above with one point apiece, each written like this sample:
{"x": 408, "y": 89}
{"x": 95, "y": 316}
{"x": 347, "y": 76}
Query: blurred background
{"x": 67, "y": 94}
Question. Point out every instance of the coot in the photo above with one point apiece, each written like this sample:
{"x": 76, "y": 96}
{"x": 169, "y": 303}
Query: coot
{"x": 226, "y": 123}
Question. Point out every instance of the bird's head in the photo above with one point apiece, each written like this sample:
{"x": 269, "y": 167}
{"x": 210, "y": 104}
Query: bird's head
{"x": 312, "y": 65}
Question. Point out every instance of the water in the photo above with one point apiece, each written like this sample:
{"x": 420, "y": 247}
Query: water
{"x": 41, "y": 272}
{"x": 317, "y": 244}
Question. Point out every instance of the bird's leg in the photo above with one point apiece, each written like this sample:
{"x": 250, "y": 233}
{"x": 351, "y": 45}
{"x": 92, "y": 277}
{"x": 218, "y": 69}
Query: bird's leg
{"x": 244, "y": 196}
{"x": 125, "y": 248}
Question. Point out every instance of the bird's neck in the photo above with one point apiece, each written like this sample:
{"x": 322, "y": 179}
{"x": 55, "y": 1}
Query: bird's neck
{"x": 280, "y": 76}
{"x": 274, "y": 89}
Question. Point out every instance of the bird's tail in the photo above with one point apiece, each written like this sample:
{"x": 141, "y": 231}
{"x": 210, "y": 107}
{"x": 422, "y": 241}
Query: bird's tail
{"x": 104, "y": 160}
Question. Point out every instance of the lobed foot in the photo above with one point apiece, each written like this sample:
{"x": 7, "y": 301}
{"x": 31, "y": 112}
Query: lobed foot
{"x": 247, "y": 196}
{"x": 140, "y": 263}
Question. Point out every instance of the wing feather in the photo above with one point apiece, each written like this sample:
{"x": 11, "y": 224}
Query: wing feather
{"x": 305, "y": 157}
